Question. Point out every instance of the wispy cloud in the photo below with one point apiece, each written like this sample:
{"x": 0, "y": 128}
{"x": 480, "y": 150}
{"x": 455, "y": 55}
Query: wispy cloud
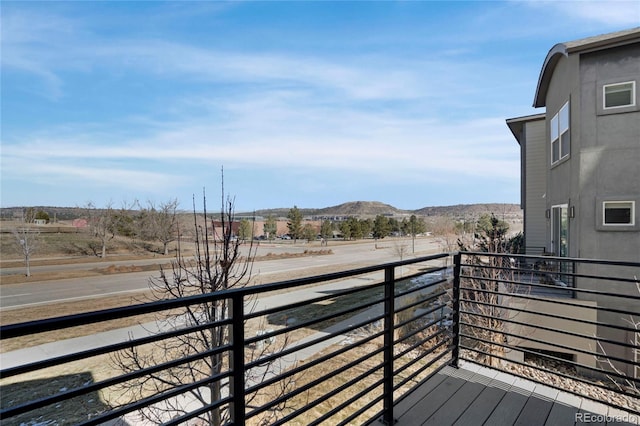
{"x": 151, "y": 107}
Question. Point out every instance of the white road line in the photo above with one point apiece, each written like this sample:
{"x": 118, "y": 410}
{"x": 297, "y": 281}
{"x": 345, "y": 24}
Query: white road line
{"x": 69, "y": 299}
{"x": 16, "y": 295}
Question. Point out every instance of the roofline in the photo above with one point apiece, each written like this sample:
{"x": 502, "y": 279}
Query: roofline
{"x": 517, "y": 123}
{"x": 590, "y": 44}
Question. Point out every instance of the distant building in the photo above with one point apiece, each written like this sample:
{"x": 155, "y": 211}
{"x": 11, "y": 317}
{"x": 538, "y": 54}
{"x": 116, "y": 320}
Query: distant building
{"x": 80, "y": 223}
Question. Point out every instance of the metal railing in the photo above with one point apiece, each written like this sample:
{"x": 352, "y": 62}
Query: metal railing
{"x": 339, "y": 353}
{"x": 588, "y": 345}
{"x": 339, "y": 348}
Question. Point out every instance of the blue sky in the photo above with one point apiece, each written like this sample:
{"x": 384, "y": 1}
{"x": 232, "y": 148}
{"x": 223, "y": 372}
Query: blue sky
{"x": 303, "y": 103}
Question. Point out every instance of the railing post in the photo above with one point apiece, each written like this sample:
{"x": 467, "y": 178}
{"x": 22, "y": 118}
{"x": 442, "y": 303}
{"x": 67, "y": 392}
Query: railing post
{"x": 455, "y": 306}
{"x": 389, "y": 278}
{"x": 237, "y": 384}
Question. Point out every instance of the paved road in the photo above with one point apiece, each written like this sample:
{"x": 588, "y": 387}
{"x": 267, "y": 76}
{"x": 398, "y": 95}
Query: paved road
{"x": 43, "y": 292}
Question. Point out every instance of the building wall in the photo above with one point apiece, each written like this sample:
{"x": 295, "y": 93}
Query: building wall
{"x": 603, "y": 165}
{"x": 535, "y": 185}
{"x": 563, "y": 176}
{"x": 610, "y": 154}
{"x": 535, "y": 308}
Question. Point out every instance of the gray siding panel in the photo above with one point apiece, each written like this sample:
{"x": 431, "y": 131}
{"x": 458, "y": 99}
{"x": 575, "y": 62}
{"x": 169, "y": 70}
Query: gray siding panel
{"x": 536, "y": 185}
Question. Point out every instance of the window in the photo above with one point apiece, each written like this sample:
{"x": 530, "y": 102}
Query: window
{"x": 560, "y": 135}
{"x": 619, "y": 94}
{"x": 560, "y": 230}
{"x": 616, "y": 213}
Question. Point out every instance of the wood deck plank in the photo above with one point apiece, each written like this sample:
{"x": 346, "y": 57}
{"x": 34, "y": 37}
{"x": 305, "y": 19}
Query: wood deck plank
{"x": 431, "y": 402}
{"x": 467, "y": 398}
{"x": 450, "y": 411}
{"x": 482, "y": 407}
{"x": 562, "y": 415}
{"x": 506, "y": 413}
{"x": 420, "y": 392}
{"x": 534, "y": 412}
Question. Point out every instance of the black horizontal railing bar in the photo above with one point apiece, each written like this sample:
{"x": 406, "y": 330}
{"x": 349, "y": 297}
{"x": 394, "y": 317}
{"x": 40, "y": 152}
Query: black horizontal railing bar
{"x": 545, "y": 314}
{"x": 317, "y": 381}
{"x": 520, "y": 272}
{"x": 552, "y": 287}
{"x": 68, "y": 321}
{"x": 552, "y": 272}
{"x": 317, "y": 320}
{"x": 306, "y": 302}
{"x": 193, "y": 414}
{"x": 555, "y": 258}
{"x": 295, "y": 348}
{"x": 429, "y": 270}
{"x": 553, "y": 301}
{"x": 415, "y": 345}
{"x": 349, "y": 401}
{"x": 575, "y": 364}
{"x": 416, "y": 360}
{"x": 418, "y": 289}
{"x": 578, "y": 275}
{"x": 331, "y": 394}
{"x": 292, "y": 371}
{"x": 145, "y": 402}
{"x": 421, "y": 370}
{"x": 570, "y": 362}
{"x": 418, "y": 317}
{"x": 314, "y": 383}
{"x": 550, "y": 383}
{"x": 57, "y": 323}
{"x": 430, "y": 310}
{"x": 83, "y": 390}
{"x": 366, "y": 408}
{"x": 421, "y": 272}
{"x": 503, "y": 280}
{"x": 94, "y": 387}
{"x": 420, "y": 302}
{"x": 555, "y": 330}
{"x": 263, "y": 288}
{"x": 63, "y": 359}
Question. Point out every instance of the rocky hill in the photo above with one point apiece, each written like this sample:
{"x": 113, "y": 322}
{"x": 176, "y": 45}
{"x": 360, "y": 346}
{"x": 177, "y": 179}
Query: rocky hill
{"x": 374, "y": 208}
{"x": 353, "y": 208}
{"x": 471, "y": 210}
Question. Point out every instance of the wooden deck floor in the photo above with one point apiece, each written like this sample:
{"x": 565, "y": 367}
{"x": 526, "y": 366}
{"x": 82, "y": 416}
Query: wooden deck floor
{"x": 475, "y": 395}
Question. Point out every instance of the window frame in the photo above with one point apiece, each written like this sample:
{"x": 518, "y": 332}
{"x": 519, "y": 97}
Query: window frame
{"x": 560, "y": 136}
{"x": 632, "y": 213}
{"x": 621, "y": 83}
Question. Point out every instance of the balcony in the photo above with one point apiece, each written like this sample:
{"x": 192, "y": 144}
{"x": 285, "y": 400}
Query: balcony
{"x": 468, "y": 338}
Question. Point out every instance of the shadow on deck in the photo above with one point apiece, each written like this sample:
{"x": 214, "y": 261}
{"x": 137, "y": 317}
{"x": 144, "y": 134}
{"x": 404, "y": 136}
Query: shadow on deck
{"x": 475, "y": 395}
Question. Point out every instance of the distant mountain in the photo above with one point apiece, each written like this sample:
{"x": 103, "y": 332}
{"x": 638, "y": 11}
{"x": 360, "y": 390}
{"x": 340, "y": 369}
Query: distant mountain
{"x": 472, "y": 210}
{"x": 374, "y": 208}
{"x": 353, "y": 208}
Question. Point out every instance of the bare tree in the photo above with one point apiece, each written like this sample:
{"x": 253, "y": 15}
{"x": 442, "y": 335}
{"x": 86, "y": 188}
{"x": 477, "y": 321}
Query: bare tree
{"x": 101, "y": 225}
{"x": 28, "y": 240}
{"x": 628, "y": 385}
{"x": 482, "y": 291}
{"x": 216, "y": 265}
{"x": 160, "y": 223}
{"x": 444, "y": 229}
